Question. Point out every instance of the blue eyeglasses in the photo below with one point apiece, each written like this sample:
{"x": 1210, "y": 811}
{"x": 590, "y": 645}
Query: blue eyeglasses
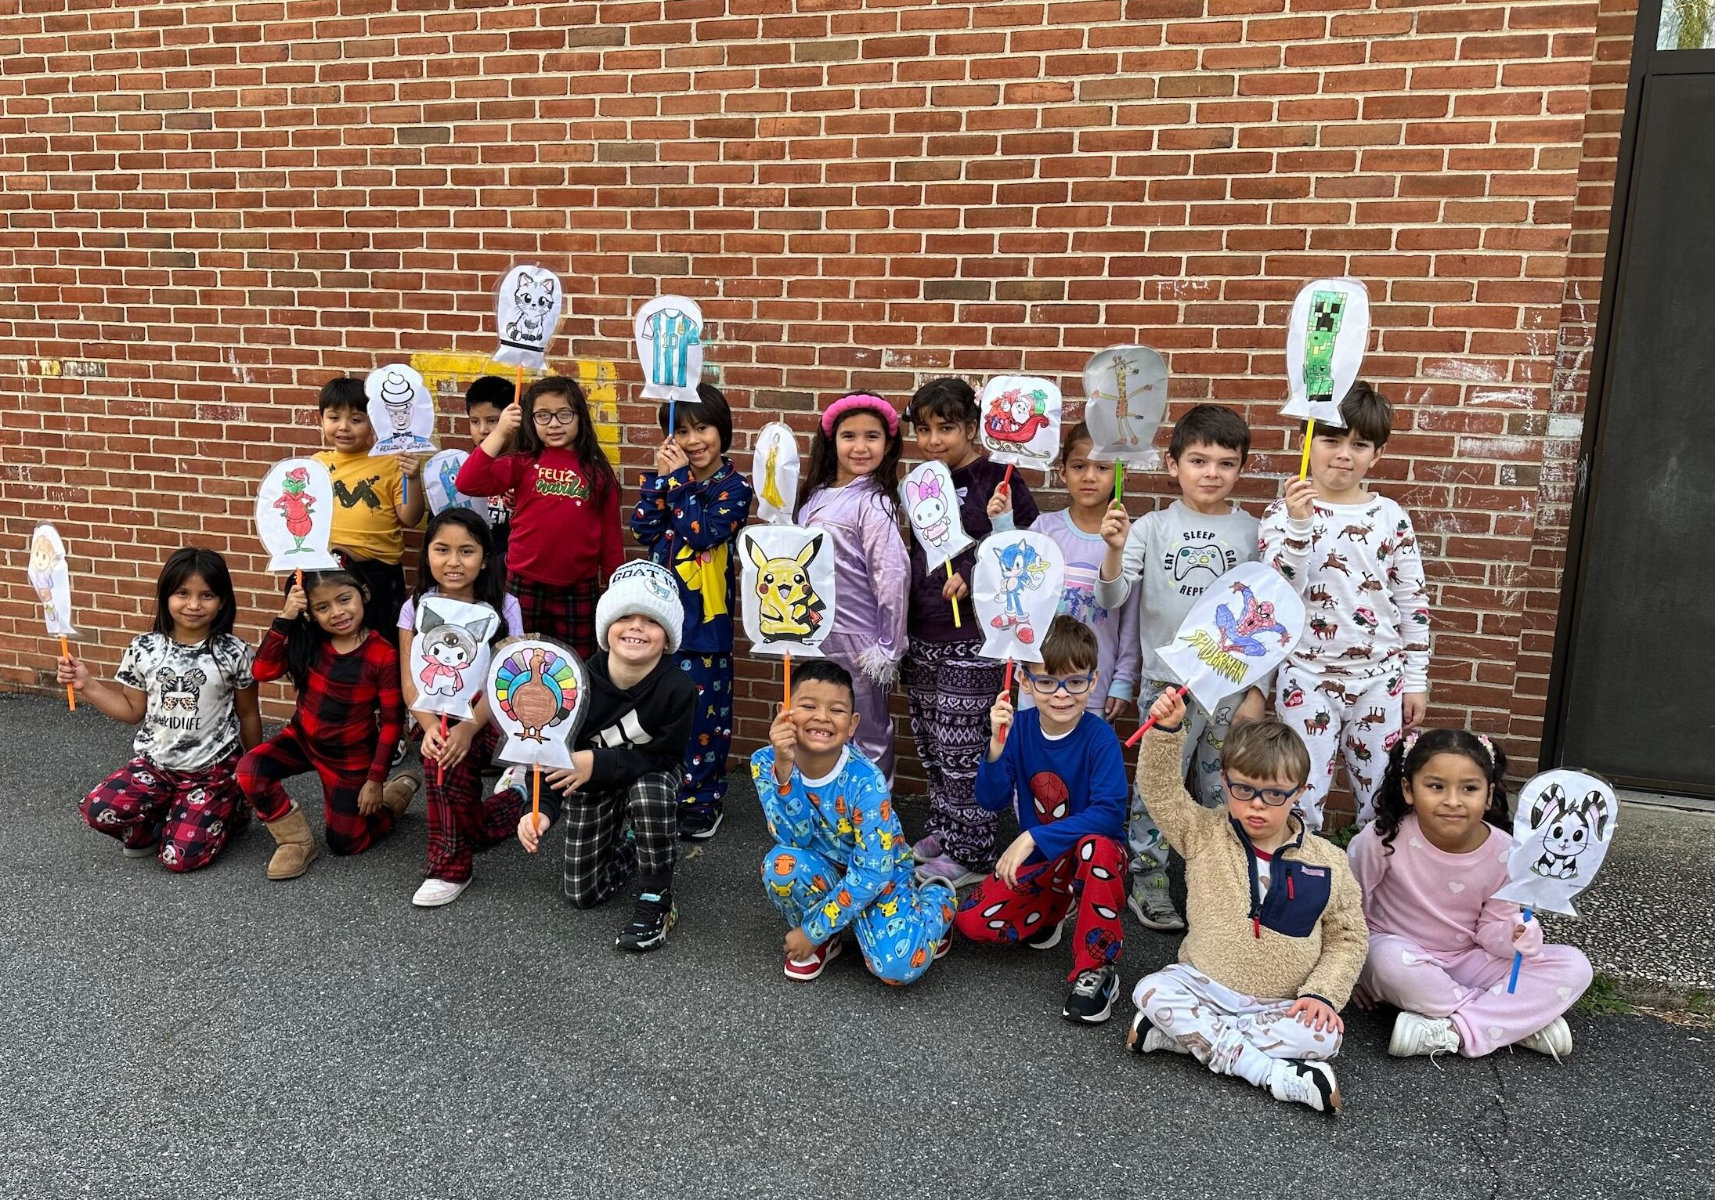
{"x": 1273, "y": 797}
{"x": 1077, "y": 685}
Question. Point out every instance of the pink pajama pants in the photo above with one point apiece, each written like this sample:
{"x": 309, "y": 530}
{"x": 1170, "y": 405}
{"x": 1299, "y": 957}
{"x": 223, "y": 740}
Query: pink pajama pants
{"x": 1471, "y": 989}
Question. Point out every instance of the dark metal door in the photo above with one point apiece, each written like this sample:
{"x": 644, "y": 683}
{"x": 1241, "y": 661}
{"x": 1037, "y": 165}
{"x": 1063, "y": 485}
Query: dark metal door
{"x": 1638, "y": 652}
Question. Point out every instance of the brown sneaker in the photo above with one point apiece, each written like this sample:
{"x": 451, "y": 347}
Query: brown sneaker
{"x": 295, "y": 845}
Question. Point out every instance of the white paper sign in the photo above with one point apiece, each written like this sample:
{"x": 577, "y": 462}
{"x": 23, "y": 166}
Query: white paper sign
{"x": 1021, "y": 420}
{"x": 449, "y": 654}
{"x": 1125, "y": 399}
{"x": 1562, "y": 827}
{"x": 51, "y": 580}
{"x": 401, "y": 410}
{"x": 528, "y": 306}
{"x": 774, "y": 473}
{"x": 787, "y": 588}
{"x": 931, "y": 503}
{"x": 1016, "y": 592}
{"x": 538, "y": 691}
{"x": 440, "y": 485}
{"x": 294, "y": 516}
{"x": 1329, "y": 331}
{"x": 1243, "y": 626}
{"x": 670, "y": 346}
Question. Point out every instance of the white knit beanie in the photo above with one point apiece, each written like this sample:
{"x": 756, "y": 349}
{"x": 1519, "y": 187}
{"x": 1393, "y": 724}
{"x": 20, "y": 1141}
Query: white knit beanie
{"x": 641, "y": 588}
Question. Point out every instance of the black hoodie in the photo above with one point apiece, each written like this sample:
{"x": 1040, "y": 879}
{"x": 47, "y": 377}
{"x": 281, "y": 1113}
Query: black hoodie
{"x": 632, "y": 731}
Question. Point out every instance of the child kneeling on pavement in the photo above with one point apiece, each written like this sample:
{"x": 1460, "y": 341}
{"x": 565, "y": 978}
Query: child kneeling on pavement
{"x": 627, "y": 758}
{"x": 1277, "y": 935}
{"x": 840, "y": 859}
{"x": 1067, "y": 762}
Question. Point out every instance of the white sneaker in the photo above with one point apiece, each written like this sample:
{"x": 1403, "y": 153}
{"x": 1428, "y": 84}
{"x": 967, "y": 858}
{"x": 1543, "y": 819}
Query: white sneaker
{"x": 1305, "y": 1081}
{"x": 1414, "y": 1034}
{"x": 1146, "y": 1038}
{"x": 1553, "y": 1039}
{"x": 436, "y": 892}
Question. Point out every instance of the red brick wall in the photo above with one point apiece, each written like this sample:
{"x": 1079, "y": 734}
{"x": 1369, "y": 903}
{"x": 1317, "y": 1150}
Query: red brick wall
{"x": 223, "y": 204}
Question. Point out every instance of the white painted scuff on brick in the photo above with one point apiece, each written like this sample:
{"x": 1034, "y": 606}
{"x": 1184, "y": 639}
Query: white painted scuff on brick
{"x": 1514, "y": 398}
{"x": 1452, "y": 368}
{"x": 1566, "y": 427}
{"x": 1495, "y": 447}
{"x": 1512, "y": 581}
{"x": 240, "y": 373}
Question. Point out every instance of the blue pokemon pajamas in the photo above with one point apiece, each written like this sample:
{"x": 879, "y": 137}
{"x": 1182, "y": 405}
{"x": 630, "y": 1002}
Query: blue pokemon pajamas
{"x": 703, "y": 787}
{"x": 841, "y": 860}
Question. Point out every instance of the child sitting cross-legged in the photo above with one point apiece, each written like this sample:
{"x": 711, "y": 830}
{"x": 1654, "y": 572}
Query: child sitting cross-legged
{"x": 1277, "y": 934}
{"x": 840, "y": 860}
{"x": 1064, "y": 765}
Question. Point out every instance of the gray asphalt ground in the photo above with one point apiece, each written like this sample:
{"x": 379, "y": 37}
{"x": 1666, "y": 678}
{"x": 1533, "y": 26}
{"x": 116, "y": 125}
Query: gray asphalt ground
{"x": 221, "y": 1035}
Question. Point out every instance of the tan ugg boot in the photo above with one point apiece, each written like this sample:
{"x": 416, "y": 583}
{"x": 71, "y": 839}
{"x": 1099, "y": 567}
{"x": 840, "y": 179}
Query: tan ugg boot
{"x": 396, "y": 793}
{"x": 295, "y": 845}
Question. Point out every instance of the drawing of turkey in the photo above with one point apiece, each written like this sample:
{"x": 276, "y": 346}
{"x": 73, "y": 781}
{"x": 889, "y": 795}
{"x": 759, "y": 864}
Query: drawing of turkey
{"x": 538, "y": 692}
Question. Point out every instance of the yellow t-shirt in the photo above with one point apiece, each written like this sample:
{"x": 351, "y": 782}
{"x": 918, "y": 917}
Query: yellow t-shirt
{"x": 366, "y": 496}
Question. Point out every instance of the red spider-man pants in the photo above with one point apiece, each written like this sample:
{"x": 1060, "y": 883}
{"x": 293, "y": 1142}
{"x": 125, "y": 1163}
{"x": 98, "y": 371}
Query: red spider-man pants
{"x": 1094, "y": 870}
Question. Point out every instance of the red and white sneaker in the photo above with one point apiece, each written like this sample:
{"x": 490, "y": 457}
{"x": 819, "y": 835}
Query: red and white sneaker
{"x": 806, "y": 969}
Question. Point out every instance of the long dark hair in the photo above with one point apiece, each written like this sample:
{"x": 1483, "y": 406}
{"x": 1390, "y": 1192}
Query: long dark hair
{"x": 306, "y": 636}
{"x": 1408, "y": 757}
{"x": 824, "y": 465}
{"x": 183, "y": 564}
{"x": 584, "y": 445}
{"x": 489, "y": 586}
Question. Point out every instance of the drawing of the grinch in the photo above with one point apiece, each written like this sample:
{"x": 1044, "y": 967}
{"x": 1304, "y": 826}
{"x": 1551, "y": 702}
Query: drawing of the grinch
{"x": 296, "y": 504}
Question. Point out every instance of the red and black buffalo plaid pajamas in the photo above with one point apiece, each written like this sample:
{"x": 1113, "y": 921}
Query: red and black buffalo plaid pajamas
{"x": 461, "y": 819}
{"x": 349, "y": 716}
{"x": 564, "y": 612}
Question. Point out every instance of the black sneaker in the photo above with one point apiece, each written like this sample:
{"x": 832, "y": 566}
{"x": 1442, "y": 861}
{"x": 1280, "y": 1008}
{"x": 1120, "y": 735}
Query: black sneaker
{"x": 699, "y": 825}
{"x": 650, "y": 921}
{"x": 1048, "y": 938}
{"x": 1091, "y": 1000}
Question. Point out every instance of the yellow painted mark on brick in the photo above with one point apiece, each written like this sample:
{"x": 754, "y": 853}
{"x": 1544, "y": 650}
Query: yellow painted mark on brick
{"x": 597, "y": 378}
{"x": 448, "y": 373}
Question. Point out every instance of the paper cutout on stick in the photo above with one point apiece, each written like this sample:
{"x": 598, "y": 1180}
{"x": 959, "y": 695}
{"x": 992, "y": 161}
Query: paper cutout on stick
{"x": 1326, "y": 337}
{"x": 774, "y": 473}
{"x": 669, "y": 333}
{"x": 1125, "y": 399}
{"x": 1016, "y": 591}
{"x": 1562, "y": 828}
{"x": 50, "y": 578}
{"x": 1243, "y": 626}
{"x": 294, "y": 516}
{"x": 401, "y": 410}
{"x": 1021, "y": 420}
{"x": 931, "y": 503}
{"x": 528, "y": 306}
{"x": 787, "y": 588}
{"x": 440, "y": 486}
{"x": 450, "y": 653}
{"x": 538, "y": 691}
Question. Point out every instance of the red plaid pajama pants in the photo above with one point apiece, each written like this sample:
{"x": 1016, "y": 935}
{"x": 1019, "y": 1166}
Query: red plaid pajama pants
{"x": 461, "y": 819}
{"x": 286, "y": 754}
{"x": 566, "y": 614}
{"x": 191, "y": 813}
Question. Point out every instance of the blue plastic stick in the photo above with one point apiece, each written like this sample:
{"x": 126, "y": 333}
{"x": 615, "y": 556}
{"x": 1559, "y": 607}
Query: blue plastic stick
{"x": 1518, "y": 961}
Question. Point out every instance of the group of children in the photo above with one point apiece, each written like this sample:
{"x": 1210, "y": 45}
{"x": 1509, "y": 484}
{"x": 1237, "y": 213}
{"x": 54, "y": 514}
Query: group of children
{"x": 1280, "y": 934}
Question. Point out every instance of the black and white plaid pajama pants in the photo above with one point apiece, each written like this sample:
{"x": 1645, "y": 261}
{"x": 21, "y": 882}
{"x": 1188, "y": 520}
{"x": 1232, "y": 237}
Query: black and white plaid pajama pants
{"x": 600, "y": 859}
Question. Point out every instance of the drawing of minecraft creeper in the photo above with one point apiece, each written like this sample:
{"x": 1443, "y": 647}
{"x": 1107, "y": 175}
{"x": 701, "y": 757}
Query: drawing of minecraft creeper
{"x": 1327, "y": 309}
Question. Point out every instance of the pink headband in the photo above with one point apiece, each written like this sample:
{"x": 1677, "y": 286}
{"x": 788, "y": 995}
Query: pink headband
{"x": 866, "y": 402}
{"x": 1483, "y": 738}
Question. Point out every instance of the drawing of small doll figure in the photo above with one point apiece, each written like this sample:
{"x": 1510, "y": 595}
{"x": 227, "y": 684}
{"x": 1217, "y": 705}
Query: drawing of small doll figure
{"x": 296, "y": 504}
{"x": 447, "y": 650}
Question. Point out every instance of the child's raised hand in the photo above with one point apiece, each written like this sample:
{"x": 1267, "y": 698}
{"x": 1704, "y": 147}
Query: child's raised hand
{"x": 531, "y": 827}
{"x": 669, "y": 458}
{"x": 1168, "y": 711}
{"x": 1116, "y": 525}
{"x": 783, "y": 736}
{"x": 71, "y": 670}
{"x": 1301, "y": 499}
{"x": 296, "y": 603}
{"x": 955, "y": 588}
{"x": 511, "y": 418}
{"x": 411, "y": 465}
{"x": 1316, "y": 1014}
{"x": 1000, "y": 716}
{"x": 1001, "y": 501}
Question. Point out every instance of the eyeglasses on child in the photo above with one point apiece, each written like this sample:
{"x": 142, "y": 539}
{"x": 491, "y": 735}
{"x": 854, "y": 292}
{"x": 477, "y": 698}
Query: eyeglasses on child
{"x": 1273, "y": 797}
{"x": 1076, "y": 685}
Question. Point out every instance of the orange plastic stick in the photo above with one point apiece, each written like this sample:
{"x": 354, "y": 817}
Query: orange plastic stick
{"x": 71, "y": 696}
{"x": 535, "y": 786}
{"x": 788, "y": 681}
{"x": 1144, "y": 728}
